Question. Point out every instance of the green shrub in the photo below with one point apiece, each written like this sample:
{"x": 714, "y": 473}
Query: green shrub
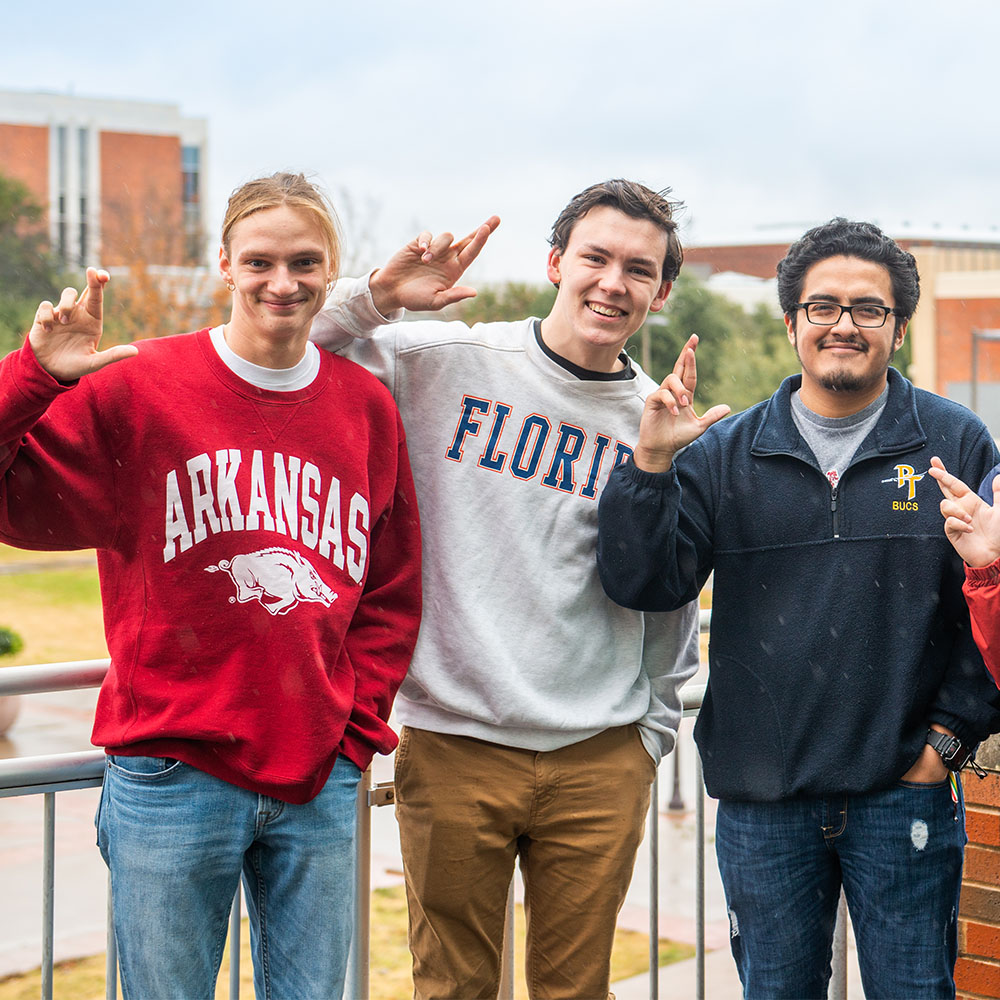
{"x": 10, "y": 642}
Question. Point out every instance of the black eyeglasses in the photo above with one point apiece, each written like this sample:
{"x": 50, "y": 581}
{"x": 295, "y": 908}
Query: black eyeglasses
{"x": 866, "y": 315}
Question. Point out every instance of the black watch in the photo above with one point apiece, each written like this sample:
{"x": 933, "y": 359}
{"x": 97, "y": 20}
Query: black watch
{"x": 954, "y": 754}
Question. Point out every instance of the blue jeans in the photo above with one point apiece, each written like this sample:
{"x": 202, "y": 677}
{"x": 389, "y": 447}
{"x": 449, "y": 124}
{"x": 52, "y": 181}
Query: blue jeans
{"x": 176, "y": 841}
{"x": 897, "y": 854}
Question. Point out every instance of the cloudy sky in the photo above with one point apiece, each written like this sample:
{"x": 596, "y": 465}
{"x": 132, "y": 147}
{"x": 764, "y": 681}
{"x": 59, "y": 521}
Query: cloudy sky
{"x": 437, "y": 114}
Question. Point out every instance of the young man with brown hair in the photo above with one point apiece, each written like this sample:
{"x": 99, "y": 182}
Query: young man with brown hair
{"x": 536, "y": 710}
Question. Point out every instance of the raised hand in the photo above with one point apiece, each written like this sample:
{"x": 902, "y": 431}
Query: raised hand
{"x": 669, "y": 422}
{"x": 423, "y": 276}
{"x": 971, "y": 525}
{"x": 64, "y": 337}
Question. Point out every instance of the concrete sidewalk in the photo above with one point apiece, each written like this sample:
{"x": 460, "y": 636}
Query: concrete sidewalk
{"x": 679, "y": 981}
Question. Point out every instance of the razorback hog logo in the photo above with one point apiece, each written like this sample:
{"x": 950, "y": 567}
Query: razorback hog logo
{"x": 278, "y": 578}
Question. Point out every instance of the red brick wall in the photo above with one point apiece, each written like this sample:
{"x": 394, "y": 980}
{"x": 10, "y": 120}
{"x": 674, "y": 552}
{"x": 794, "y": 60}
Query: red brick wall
{"x": 141, "y": 199}
{"x": 956, "y": 318}
{"x": 24, "y": 155}
{"x": 977, "y": 974}
{"x": 761, "y": 260}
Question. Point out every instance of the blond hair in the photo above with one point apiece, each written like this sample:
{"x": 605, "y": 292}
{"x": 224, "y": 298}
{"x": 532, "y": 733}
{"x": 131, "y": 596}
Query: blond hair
{"x": 284, "y": 189}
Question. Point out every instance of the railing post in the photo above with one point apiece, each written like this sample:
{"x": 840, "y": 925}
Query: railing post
{"x": 111, "y": 953}
{"x": 48, "y": 891}
{"x": 358, "y": 986}
{"x": 235, "y": 916}
{"x": 654, "y": 889}
{"x": 507, "y": 953}
{"x": 676, "y": 797}
{"x": 838, "y": 978}
{"x": 699, "y": 901}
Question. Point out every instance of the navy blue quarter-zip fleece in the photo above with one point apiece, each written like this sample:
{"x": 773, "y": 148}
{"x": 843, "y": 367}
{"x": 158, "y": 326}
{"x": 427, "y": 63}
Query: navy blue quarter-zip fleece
{"x": 839, "y": 630}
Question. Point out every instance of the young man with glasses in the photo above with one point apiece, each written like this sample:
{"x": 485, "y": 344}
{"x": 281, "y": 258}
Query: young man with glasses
{"x": 842, "y": 664}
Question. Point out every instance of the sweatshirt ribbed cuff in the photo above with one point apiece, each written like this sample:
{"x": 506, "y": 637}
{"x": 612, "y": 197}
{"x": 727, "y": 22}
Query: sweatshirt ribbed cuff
{"x": 655, "y": 480}
{"x": 33, "y": 381}
{"x": 983, "y": 576}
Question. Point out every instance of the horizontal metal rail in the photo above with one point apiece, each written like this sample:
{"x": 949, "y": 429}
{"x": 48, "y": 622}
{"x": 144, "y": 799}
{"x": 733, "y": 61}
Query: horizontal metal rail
{"x": 50, "y": 773}
{"x": 39, "y": 678}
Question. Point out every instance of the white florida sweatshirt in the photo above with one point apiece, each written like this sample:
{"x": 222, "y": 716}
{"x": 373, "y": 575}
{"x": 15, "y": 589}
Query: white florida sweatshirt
{"x": 518, "y": 644}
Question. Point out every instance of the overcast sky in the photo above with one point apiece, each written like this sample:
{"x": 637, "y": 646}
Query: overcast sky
{"x": 437, "y": 114}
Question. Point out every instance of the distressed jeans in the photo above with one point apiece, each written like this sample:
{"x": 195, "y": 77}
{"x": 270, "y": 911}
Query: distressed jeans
{"x": 176, "y": 841}
{"x": 897, "y": 854}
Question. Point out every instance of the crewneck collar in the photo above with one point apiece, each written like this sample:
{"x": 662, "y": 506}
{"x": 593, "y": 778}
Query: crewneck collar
{"x": 585, "y": 374}
{"x": 299, "y": 376}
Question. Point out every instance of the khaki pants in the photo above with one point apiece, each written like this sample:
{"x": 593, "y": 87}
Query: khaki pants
{"x": 467, "y": 808}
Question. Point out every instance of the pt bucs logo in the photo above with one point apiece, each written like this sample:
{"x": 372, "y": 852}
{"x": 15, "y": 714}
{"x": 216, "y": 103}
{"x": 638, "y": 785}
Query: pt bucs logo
{"x": 277, "y": 578}
{"x": 908, "y": 478}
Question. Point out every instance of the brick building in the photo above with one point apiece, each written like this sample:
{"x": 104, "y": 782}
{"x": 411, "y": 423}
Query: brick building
{"x": 960, "y": 294}
{"x": 977, "y": 974}
{"x": 118, "y": 178}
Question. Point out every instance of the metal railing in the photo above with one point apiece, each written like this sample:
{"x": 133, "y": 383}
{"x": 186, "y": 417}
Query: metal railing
{"x": 52, "y": 773}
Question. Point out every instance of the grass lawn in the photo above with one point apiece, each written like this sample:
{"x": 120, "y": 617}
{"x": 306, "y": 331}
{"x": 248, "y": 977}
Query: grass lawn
{"x": 10, "y": 554}
{"x": 390, "y": 960}
{"x": 57, "y": 612}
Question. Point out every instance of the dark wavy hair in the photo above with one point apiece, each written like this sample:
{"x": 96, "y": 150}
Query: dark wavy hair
{"x": 635, "y": 200}
{"x": 841, "y": 237}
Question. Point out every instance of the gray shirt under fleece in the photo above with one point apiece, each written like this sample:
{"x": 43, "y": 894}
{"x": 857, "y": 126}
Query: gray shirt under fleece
{"x": 510, "y": 451}
{"x": 834, "y": 440}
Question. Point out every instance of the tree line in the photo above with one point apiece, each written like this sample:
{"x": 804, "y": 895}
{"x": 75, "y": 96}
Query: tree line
{"x": 144, "y": 303}
{"x": 742, "y": 355}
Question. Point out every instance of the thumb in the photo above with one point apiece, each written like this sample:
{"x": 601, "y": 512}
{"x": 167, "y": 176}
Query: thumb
{"x": 108, "y": 357}
{"x": 449, "y": 296}
{"x": 996, "y": 490}
{"x": 715, "y": 414}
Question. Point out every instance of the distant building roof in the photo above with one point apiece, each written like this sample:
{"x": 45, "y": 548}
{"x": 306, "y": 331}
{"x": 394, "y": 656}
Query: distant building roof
{"x": 786, "y": 233}
{"x": 757, "y": 252}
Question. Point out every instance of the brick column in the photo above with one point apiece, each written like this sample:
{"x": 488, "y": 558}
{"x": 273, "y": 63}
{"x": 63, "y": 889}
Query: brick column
{"x": 977, "y": 974}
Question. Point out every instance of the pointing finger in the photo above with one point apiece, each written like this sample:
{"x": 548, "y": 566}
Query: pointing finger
{"x": 476, "y": 243}
{"x": 491, "y": 224}
{"x": 94, "y": 295}
{"x": 951, "y": 486}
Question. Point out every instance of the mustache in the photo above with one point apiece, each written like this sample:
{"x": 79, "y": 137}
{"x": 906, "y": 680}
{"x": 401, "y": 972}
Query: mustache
{"x": 844, "y": 342}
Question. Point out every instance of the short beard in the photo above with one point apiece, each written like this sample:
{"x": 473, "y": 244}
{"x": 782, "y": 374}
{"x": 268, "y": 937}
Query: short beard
{"x": 845, "y": 381}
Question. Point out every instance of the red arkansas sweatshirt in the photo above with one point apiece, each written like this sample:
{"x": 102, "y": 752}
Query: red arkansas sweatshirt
{"x": 258, "y": 553}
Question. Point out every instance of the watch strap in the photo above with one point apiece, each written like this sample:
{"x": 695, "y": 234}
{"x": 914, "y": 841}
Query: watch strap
{"x": 954, "y": 754}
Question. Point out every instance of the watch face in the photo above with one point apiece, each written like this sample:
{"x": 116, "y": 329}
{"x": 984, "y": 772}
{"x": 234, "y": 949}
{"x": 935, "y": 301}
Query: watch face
{"x": 953, "y": 754}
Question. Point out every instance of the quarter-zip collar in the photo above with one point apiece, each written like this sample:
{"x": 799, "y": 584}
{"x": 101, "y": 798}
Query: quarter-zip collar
{"x": 898, "y": 428}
